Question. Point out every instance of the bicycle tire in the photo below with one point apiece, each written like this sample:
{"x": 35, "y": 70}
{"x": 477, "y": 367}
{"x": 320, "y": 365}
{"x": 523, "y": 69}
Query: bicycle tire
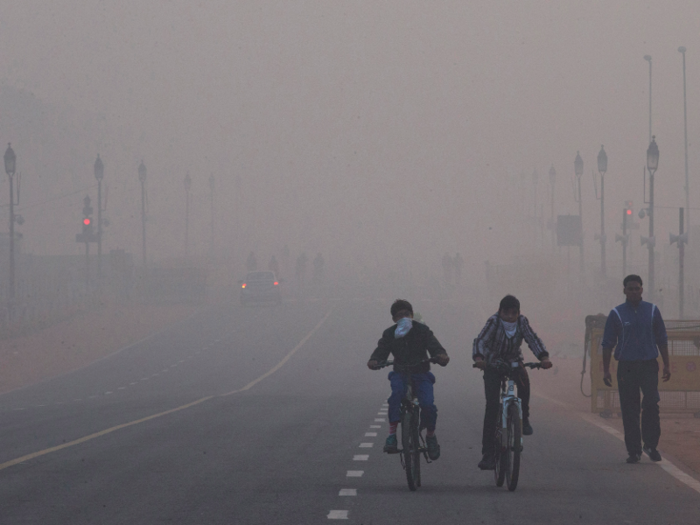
{"x": 514, "y": 446}
{"x": 415, "y": 431}
{"x": 407, "y": 444}
{"x": 500, "y": 456}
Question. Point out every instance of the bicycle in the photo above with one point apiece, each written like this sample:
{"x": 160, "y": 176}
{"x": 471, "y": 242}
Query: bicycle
{"x": 509, "y": 438}
{"x": 411, "y": 438}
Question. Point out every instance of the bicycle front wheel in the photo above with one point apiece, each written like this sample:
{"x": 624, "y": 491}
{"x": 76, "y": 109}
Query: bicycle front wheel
{"x": 407, "y": 442}
{"x": 416, "y": 449}
{"x": 514, "y": 446}
{"x": 499, "y": 454}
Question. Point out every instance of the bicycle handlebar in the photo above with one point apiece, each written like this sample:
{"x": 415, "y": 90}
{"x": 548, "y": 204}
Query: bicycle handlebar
{"x": 503, "y": 365}
{"x": 406, "y": 367}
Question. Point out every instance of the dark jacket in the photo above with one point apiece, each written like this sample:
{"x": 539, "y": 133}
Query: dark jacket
{"x": 410, "y": 349}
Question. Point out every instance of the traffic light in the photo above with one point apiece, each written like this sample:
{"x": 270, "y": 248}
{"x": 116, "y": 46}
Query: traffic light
{"x": 88, "y": 234}
{"x": 87, "y": 216}
{"x": 629, "y": 216}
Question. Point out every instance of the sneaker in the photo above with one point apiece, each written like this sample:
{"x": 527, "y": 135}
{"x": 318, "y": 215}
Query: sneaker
{"x": 527, "y": 428}
{"x": 634, "y": 457}
{"x": 488, "y": 462}
{"x": 652, "y": 453}
{"x": 433, "y": 447}
{"x": 391, "y": 446}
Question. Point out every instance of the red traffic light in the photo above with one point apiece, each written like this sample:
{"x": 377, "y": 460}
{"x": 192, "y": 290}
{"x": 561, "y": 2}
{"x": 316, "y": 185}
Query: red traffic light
{"x": 87, "y": 221}
{"x": 629, "y": 212}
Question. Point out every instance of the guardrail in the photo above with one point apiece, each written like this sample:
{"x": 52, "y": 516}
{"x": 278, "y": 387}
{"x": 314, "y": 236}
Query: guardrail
{"x": 680, "y": 395}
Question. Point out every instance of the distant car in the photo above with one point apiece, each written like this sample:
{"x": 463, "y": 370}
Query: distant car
{"x": 260, "y": 287}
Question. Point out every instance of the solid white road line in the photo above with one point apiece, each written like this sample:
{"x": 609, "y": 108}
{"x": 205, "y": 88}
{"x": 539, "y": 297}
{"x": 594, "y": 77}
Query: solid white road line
{"x": 664, "y": 463}
{"x": 347, "y": 492}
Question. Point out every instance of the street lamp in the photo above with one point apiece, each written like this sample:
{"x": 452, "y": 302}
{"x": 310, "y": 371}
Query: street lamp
{"x": 188, "y": 185}
{"x": 10, "y": 165}
{"x": 685, "y": 131}
{"x": 652, "y": 165}
{"x": 578, "y": 170}
{"x": 648, "y": 59}
{"x": 99, "y": 175}
{"x": 552, "y": 180}
{"x": 602, "y": 169}
{"x": 142, "y": 178}
{"x": 211, "y": 193}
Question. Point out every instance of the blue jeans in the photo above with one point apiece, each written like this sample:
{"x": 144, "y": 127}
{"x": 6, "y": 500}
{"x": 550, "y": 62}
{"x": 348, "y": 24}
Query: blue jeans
{"x": 422, "y": 388}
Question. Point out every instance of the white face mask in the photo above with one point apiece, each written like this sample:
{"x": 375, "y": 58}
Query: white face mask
{"x": 403, "y": 325}
{"x": 510, "y": 328}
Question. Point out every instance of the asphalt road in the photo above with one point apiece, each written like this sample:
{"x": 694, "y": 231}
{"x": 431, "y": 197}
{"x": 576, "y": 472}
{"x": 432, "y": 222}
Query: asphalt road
{"x": 176, "y": 430}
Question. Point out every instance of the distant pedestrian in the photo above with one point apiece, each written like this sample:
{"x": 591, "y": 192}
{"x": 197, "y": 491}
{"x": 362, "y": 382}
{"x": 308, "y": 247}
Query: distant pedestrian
{"x": 636, "y": 330}
{"x": 251, "y": 263}
{"x": 458, "y": 263}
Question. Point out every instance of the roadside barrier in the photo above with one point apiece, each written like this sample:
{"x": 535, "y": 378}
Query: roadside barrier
{"x": 681, "y": 394}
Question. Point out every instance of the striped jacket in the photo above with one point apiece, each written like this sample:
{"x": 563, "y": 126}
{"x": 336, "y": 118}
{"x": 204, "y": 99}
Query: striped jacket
{"x": 493, "y": 343}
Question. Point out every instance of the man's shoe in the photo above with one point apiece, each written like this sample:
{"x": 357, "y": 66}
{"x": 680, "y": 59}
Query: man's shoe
{"x": 633, "y": 458}
{"x": 488, "y": 462}
{"x": 527, "y": 428}
{"x": 433, "y": 447}
{"x": 391, "y": 446}
{"x": 652, "y": 453}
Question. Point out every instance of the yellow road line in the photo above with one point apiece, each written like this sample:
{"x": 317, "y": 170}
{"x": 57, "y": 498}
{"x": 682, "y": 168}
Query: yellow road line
{"x": 160, "y": 414}
{"x": 284, "y": 360}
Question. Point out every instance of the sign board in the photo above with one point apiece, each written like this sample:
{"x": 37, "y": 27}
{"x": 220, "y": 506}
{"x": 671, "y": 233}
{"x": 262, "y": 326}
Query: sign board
{"x": 569, "y": 231}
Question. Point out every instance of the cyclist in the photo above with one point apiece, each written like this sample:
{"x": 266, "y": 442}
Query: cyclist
{"x": 501, "y": 338}
{"x": 410, "y": 342}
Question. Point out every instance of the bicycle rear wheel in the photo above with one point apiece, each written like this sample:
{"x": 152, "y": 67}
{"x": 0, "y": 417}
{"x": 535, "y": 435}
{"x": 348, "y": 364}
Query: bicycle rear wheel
{"x": 500, "y": 456}
{"x": 408, "y": 448}
{"x": 514, "y": 446}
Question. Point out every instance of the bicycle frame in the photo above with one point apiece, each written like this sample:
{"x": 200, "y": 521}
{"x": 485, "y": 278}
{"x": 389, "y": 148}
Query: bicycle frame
{"x": 508, "y": 398}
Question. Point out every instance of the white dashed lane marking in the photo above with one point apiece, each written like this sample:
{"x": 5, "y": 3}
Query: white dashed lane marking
{"x": 379, "y": 420}
{"x": 366, "y": 445}
{"x": 375, "y": 426}
{"x": 355, "y": 473}
{"x": 347, "y": 492}
{"x": 338, "y": 515}
{"x": 370, "y": 434}
{"x": 360, "y": 457}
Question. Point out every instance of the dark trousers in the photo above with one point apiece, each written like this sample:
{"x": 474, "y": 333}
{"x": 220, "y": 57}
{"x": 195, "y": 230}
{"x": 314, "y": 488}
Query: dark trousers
{"x": 492, "y": 389}
{"x": 633, "y": 376}
{"x": 422, "y": 388}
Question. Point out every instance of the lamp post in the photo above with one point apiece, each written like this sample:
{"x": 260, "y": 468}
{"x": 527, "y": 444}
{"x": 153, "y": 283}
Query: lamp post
{"x": 142, "y": 178}
{"x": 211, "y": 194}
{"x": 99, "y": 175}
{"x": 578, "y": 170}
{"x": 602, "y": 169}
{"x": 648, "y": 59}
{"x": 552, "y": 180}
{"x": 652, "y": 165}
{"x": 10, "y": 165}
{"x": 680, "y": 239}
{"x": 685, "y": 134}
{"x": 188, "y": 185}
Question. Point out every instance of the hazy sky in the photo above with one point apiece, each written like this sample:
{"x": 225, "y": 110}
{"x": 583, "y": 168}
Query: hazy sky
{"x": 361, "y": 129}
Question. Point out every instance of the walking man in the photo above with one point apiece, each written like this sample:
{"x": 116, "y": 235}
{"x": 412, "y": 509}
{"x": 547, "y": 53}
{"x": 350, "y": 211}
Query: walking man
{"x": 637, "y": 332}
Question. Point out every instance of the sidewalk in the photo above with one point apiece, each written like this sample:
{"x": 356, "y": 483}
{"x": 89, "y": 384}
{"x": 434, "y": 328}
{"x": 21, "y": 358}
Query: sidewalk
{"x": 79, "y": 341}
